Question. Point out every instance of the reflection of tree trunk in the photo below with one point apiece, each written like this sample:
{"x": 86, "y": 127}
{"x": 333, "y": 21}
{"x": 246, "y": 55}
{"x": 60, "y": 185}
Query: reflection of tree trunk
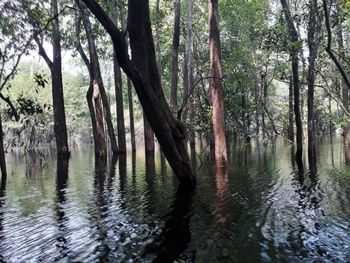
{"x": 222, "y": 192}
{"x": 176, "y": 233}
{"x": 2, "y": 152}
{"x": 62, "y": 219}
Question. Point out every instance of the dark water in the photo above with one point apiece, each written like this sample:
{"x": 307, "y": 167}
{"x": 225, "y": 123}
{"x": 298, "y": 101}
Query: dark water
{"x": 263, "y": 210}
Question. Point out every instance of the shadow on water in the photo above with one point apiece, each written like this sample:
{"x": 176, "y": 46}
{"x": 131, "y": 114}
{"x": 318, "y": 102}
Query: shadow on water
{"x": 176, "y": 232}
{"x": 62, "y": 219}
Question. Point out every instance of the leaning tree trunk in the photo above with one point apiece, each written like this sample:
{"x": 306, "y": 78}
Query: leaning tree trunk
{"x": 175, "y": 56}
{"x": 294, "y": 50}
{"x": 93, "y": 95}
{"x": 143, "y": 71}
{"x": 216, "y": 86}
{"x": 60, "y": 127}
{"x": 97, "y": 79}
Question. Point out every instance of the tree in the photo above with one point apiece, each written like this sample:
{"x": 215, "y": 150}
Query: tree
{"x": 313, "y": 30}
{"x": 294, "y": 50}
{"x": 142, "y": 70}
{"x": 93, "y": 95}
{"x": 55, "y": 66}
{"x": 216, "y": 86}
{"x": 175, "y": 56}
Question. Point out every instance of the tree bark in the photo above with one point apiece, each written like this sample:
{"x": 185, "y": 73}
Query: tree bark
{"x": 291, "y": 112}
{"x": 148, "y": 136}
{"x": 60, "y": 127}
{"x": 93, "y": 95}
{"x": 2, "y": 152}
{"x": 130, "y": 96}
{"x": 97, "y": 79}
{"x": 216, "y": 86}
{"x": 313, "y": 46}
{"x": 119, "y": 104}
{"x": 175, "y": 56}
{"x": 142, "y": 70}
{"x": 294, "y": 50}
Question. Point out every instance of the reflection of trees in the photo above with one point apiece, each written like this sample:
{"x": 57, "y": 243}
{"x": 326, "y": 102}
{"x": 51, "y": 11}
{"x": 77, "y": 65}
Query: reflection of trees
{"x": 176, "y": 233}
{"x": 222, "y": 194}
{"x": 62, "y": 219}
{"x": 308, "y": 204}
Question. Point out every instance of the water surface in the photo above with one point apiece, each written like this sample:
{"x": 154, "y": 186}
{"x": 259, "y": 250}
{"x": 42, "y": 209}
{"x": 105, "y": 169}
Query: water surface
{"x": 264, "y": 209}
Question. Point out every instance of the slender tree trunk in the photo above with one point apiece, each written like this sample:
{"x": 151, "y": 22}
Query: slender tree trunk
{"x": 175, "y": 56}
{"x": 119, "y": 105}
{"x": 313, "y": 46}
{"x": 93, "y": 96}
{"x": 142, "y": 70}
{"x": 216, "y": 86}
{"x": 291, "y": 112}
{"x": 97, "y": 81}
{"x": 2, "y": 152}
{"x": 294, "y": 50}
{"x": 60, "y": 127}
{"x": 130, "y": 96}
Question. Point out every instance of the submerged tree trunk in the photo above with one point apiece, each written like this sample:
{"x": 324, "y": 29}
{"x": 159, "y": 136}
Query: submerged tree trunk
{"x": 148, "y": 136}
{"x": 291, "y": 112}
{"x": 55, "y": 66}
{"x": 2, "y": 152}
{"x": 294, "y": 50}
{"x": 142, "y": 70}
{"x": 216, "y": 86}
{"x": 175, "y": 56}
{"x": 93, "y": 96}
{"x": 131, "y": 117}
{"x": 119, "y": 105}
{"x": 313, "y": 45}
{"x": 130, "y": 96}
{"x": 97, "y": 80}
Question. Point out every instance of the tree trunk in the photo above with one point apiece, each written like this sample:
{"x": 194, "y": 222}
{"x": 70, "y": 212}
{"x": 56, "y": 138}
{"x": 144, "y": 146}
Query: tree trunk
{"x": 294, "y": 50}
{"x": 93, "y": 95}
{"x": 119, "y": 105}
{"x": 142, "y": 70}
{"x": 97, "y": 80}
{"x": 131, "y": 116}
{"x": 175, "y": 56}
{"x": 291, "y": 112}
{"x": 57, "y": 88}
{"x": 149, "y": 136}
{"x": 2, "y": 152}
{"x": 313, "y": 46}
{"x": 216, "y": 86}
{"x": 130, "y": 97}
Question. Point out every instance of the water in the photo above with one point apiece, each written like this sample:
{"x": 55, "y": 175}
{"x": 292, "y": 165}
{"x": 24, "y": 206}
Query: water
{"x": 262, "y": 210}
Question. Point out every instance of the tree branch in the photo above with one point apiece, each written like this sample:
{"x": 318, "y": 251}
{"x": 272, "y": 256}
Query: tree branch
{"x": 78, "y": 43}
{"x": 13, "y": 109}
{"x": 329, "y": 46}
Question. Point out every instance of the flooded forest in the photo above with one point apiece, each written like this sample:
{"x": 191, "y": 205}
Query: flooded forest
{"x": 175, "y": 131}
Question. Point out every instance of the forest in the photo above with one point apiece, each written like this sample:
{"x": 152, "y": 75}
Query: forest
{"x": 174, "y": 131}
